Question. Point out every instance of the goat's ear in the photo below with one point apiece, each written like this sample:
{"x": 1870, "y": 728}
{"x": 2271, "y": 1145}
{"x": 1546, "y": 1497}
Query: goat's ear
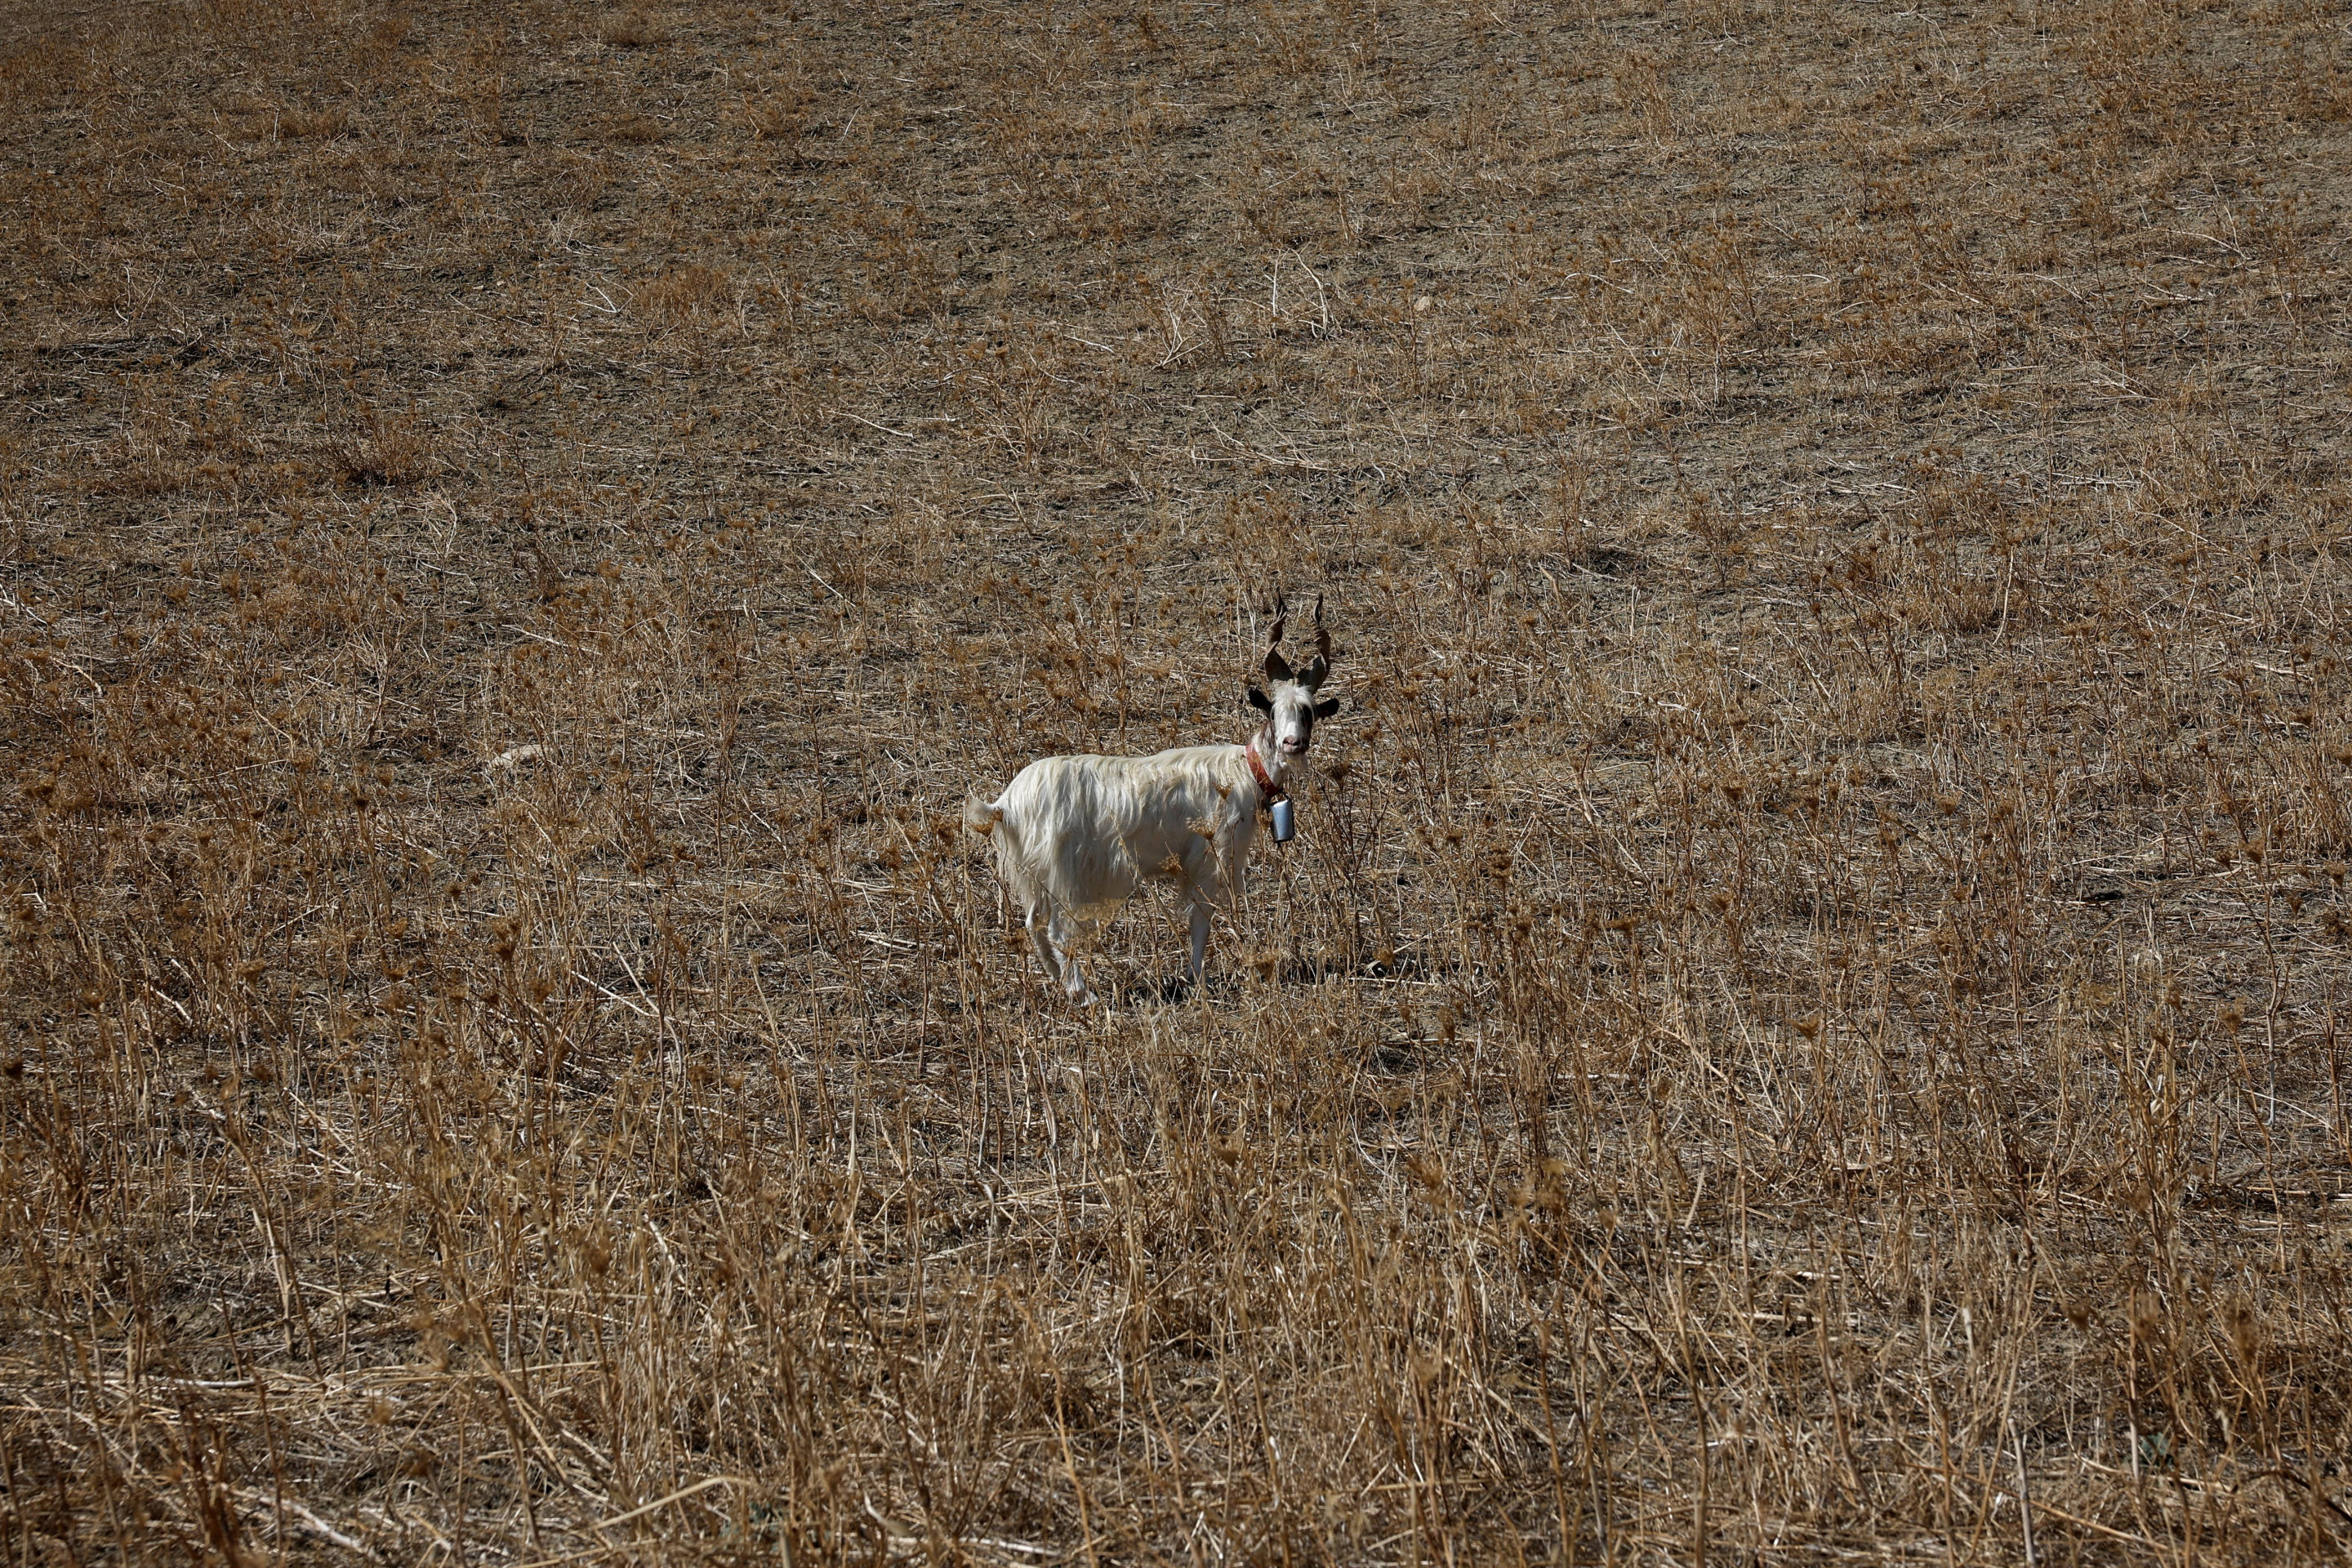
{"x": 1325, "y": 708}
{"x": 1260, "y": 701}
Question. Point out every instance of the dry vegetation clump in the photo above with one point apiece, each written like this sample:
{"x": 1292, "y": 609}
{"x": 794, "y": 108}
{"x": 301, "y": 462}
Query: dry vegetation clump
{"x": 1806, "y": 1018}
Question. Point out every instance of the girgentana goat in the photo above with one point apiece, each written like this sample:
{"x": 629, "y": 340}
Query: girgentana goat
{"x": 1075, "y": 836}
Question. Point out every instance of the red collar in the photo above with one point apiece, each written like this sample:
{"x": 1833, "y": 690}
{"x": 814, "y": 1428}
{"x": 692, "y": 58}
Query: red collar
{"x": 1257, "y": 771}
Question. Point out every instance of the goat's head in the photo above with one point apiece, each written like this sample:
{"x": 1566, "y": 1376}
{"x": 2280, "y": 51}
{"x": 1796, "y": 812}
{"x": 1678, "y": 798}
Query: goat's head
{"x": 1288, "y": 699}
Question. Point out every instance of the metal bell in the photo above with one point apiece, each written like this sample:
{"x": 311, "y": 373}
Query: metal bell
{"x": 1284, "y": 828}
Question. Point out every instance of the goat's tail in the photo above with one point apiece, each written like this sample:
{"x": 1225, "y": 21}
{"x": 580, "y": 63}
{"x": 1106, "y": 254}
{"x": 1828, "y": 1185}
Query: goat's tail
{"x": 982, "y": 816}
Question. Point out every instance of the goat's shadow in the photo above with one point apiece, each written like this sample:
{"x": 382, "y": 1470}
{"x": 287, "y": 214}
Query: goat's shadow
{"x": 1168, "y": 991}
{"x": 1173, "y": 990}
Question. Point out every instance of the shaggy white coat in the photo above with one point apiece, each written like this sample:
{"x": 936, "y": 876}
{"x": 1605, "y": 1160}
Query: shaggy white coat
{"x": 1075, "y": 837}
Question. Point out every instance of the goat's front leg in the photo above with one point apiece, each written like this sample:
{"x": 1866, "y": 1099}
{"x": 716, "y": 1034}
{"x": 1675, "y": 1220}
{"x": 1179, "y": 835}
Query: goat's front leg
{"x": 1200, "y": 936}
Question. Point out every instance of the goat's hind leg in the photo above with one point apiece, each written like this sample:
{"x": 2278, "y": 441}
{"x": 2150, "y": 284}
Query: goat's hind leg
{"x": 1050, "y": 935}
{"x": 1073, "y": 981}
{"x": 1034, "y": 920}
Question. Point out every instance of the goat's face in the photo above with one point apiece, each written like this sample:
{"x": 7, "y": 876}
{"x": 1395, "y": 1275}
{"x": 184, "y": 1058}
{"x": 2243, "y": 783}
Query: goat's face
{"x": 1291, "y": 710}
{"x": 1288, "y": 701}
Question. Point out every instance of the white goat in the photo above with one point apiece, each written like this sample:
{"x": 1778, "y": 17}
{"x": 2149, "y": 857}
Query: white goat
{"x": 1076, "y": 836}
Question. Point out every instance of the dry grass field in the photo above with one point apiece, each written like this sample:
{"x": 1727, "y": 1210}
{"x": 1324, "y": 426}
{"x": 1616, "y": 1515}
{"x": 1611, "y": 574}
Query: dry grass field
{"x": 1807, "y": 1020}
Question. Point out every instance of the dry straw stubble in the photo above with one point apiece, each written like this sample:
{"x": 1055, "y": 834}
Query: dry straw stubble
{"x": 1808, "y": 1007}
